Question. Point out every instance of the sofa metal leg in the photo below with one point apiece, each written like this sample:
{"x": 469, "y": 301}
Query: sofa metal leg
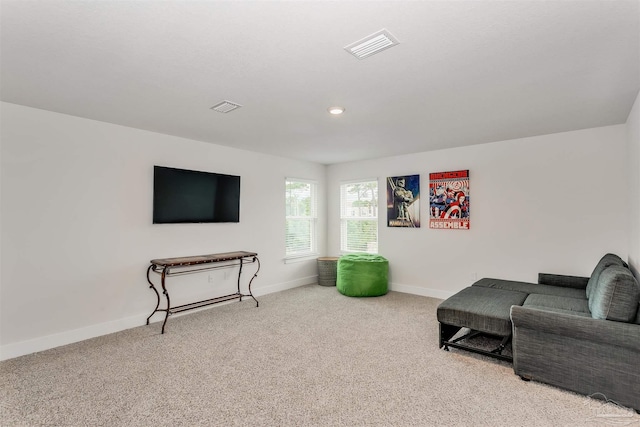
{"x": 446, "y": 332}
{"x": 503, "y": 344}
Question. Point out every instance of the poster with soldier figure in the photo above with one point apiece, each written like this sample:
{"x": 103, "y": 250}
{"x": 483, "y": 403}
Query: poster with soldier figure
{"x": 403, "y": 201}
{"x": 449, "y": 200}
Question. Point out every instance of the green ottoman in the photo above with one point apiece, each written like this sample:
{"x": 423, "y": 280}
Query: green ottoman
{"x": 362, "y": 275}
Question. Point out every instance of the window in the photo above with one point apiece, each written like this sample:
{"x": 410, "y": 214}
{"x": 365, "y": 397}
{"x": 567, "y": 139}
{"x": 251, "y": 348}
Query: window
{"x": 359, "y": 216}
{"x": 301, "y": 218}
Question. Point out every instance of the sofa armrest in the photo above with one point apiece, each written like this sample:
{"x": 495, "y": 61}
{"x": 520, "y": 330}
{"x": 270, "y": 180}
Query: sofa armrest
{"x": 606, "y": 332}
{"x": 578, "y": 353}
{"x": 562, "y": 280}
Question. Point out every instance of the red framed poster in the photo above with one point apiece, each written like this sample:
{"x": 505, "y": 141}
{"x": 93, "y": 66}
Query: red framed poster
{"x": 449, "y": 200}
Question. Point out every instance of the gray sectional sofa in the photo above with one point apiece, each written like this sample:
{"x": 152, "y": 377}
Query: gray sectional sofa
{"x": 577, "y": 333}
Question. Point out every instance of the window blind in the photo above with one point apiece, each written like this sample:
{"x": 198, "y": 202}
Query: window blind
{"x": 301, "y": 218}
{"x": 359, "y": 216}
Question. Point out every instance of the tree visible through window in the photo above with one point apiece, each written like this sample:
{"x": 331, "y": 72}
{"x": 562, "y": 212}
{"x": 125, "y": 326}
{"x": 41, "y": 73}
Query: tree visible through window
{"x": 359, "y": 217}
{"x": 301, "y": 218}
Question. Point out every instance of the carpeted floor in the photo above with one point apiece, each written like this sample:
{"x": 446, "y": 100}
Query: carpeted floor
{"x": 306, "y": 357}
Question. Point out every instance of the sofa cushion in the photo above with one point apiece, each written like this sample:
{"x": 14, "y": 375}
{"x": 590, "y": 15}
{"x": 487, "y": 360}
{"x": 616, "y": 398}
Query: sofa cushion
{"x": 481, "y": 309}
{"x": 605, "y": 261}
{"x": 578, "y": 305}
{"x": 559, "y": 310}
{"x": 616, "y": 295}
{"x": 563, "y": 280}
{"x": 530, "y": 288}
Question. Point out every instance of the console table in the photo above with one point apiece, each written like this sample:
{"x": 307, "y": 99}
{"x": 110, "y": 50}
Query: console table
{"x": 194, "y": 264}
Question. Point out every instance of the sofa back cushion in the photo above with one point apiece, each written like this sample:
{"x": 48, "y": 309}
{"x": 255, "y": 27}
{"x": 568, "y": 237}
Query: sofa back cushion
{"x": 605, "y": 261}
{"x": 616, "y": 295}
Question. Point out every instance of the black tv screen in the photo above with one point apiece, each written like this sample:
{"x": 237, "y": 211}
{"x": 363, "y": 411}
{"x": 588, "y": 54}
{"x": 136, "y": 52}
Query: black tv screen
{"x": 181, "y": 196}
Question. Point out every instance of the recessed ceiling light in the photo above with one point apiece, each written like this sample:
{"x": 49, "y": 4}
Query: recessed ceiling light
{"x": 225, "y": 106}
{"x": 335, "y": 110}
{"x": 370, "y": 45}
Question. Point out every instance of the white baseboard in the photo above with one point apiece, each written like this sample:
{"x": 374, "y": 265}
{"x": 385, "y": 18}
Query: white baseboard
{"x": 285, "y": 285}
{"x": 21, "y": 348}
{"x": 415, "y": 290}
{"x": 9, "y": 351}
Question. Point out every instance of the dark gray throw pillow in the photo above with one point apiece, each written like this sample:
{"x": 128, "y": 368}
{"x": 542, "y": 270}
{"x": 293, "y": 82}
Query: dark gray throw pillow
{"x": 605, "y": 261}
{"x": 616, "y": 295}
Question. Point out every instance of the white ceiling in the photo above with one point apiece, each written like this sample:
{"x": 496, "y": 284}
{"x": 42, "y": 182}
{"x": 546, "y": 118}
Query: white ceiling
{"x": 465, "y": 72}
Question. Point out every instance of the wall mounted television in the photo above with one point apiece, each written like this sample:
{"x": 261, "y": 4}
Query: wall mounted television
{"x": 187, "y": 196}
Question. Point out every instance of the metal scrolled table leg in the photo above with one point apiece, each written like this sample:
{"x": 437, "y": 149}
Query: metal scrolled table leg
{"x": 154, "y": 290}
{"x": 166, "y": 294}
{"x": 255, "y": 259}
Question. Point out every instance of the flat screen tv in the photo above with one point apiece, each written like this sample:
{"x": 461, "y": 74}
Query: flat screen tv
{"x": 186, "y": 196}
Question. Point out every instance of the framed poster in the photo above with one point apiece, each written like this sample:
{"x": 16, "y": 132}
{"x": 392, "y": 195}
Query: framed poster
{"x": 403, "y": 201}
{"x": 449, "y": 200}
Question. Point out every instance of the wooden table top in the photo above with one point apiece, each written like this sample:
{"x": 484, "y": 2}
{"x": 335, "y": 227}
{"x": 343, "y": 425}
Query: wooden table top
{"x": 202, "y": 259}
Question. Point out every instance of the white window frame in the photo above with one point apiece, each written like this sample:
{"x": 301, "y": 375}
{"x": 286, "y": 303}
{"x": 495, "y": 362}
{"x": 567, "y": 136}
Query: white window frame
{"x": 349, "y": 213}
{"x": 292, "y": 253}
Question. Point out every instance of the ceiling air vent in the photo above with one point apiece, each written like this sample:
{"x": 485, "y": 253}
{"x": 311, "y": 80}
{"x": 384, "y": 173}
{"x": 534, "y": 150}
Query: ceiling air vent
{"x": 226, "y": 107}
{"x": 372, "y": 44}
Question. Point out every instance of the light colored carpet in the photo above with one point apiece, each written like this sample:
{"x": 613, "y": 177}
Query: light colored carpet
{"x": 306, "y": 357}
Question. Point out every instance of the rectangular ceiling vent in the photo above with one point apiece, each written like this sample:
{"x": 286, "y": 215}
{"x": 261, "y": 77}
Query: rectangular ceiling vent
{"x": 370, "y": 45}
{"x": 226, "y": 107}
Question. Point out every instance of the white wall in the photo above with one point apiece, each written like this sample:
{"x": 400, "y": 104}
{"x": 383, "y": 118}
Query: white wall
{"x": 552, "y": 203}
{"x": 77, "y": 235}
{"x": 77, "y": 232}
{"x": 633, "y": 138}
